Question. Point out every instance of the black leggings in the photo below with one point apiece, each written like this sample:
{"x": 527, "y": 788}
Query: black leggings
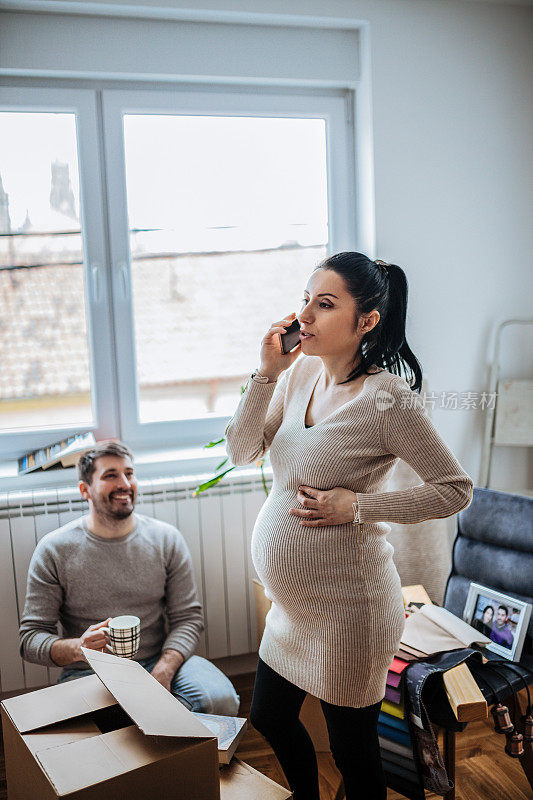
{"x": 353, "y": 737}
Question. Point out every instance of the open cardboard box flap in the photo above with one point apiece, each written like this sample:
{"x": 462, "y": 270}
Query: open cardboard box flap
{"x": 155, "y": 711}
{"x": 58, "y": 703}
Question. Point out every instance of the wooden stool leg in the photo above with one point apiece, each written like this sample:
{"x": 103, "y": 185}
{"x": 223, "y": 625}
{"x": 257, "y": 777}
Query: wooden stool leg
{"x": 449, "y": 760}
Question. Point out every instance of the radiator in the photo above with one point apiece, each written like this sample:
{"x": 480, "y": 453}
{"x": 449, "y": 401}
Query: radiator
{"x": 216, "y": 525}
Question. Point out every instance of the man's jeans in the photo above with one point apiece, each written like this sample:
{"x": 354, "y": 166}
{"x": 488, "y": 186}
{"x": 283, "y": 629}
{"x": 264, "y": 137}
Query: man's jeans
{"x": 198, "y": 684}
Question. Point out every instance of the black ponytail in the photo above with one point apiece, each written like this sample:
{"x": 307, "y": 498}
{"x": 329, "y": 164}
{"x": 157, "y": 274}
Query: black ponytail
{"x": 381, "y": 286}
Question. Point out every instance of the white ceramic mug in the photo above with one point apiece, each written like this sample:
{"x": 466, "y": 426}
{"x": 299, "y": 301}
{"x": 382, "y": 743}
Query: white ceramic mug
{"x": 124, "y": 634}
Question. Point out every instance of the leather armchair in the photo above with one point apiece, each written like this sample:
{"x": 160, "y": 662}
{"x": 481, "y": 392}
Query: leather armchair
{"x": 494, "y": 547}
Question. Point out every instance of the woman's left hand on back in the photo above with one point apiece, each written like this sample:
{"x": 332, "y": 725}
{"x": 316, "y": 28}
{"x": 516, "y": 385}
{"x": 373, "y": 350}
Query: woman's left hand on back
{"x": 321, "y": 508}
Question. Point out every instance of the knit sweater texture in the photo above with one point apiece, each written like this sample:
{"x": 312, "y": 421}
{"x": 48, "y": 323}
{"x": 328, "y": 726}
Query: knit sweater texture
{"x": 78, "y": 579}
{"x": 337, "y": 613}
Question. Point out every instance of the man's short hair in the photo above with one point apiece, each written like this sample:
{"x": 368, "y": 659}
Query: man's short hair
{"x": 504, "y": 609}
{"x": 87, "y": 462}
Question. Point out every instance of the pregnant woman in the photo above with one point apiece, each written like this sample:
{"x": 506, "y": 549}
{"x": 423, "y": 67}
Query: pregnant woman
{"x": 336, "y": 415}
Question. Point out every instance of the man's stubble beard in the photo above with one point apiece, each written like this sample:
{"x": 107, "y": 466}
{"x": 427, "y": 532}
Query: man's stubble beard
{"x": 107, "y": 514}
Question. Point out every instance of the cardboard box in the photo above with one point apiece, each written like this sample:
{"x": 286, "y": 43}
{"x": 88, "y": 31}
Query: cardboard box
{"x": 415, "y": 594}
{"x": 262, "y": 607}
{"x": 239, "y": 781}
{"x": 116, "y": 735}
{"x": 311, "y": 714}
{"x": 313, "y": 721}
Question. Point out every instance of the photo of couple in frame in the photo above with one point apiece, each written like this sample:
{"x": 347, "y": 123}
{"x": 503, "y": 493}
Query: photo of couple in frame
{"x": 502, "y": 618}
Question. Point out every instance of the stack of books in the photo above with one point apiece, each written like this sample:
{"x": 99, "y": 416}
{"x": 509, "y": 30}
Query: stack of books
{"x": 61, "y": 454}
{"x": 428, "y": 629}
{"x": 394, "y": 737}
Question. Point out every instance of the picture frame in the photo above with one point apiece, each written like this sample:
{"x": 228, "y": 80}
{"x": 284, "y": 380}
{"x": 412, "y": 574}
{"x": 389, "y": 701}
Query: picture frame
{"x": 502, "y": 618}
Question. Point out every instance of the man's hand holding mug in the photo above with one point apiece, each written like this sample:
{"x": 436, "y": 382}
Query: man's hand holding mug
{"x": 117, "y": 635}
{"x": 95, "y": 637}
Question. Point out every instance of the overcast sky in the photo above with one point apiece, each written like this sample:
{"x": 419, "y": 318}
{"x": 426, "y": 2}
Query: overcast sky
{"x": 210, "y": 182}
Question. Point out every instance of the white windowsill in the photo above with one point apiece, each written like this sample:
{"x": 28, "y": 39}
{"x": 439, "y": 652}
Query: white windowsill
{"x": 198, "y": 462}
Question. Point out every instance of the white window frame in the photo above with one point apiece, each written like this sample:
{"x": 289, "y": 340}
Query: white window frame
{"x": 335, "y": 107}
{"x": 83, "y": 103}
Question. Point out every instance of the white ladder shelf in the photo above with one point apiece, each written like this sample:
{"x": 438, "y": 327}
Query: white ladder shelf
{"x": 509, "y": 422}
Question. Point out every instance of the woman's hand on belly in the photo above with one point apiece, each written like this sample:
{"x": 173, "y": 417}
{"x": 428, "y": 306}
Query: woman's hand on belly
{"x": 321, "y": 508}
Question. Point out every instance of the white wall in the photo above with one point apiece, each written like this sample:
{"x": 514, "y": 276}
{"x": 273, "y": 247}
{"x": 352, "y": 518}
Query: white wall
{"x": 452, "y": 86}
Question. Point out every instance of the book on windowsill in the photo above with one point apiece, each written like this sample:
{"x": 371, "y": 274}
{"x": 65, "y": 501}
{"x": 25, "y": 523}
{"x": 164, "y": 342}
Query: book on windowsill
{"x": 61, "y": 454}
{"x": 432, "y": 629}
{"x": 228, "y": 730}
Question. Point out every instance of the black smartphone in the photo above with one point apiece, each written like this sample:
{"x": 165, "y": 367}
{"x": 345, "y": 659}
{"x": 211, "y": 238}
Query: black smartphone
{"x": 291, "y": 338}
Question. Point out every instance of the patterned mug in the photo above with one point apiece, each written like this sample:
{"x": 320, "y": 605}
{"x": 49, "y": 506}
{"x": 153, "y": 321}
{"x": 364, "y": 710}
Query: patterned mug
{"x": 124, "y": 634}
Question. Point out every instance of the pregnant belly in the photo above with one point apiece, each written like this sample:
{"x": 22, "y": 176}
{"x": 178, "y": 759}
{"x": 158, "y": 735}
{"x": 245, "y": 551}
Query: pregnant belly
{"x": 317, "y": 566}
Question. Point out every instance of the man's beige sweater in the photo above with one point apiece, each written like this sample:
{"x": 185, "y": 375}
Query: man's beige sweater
{"x": 337, "y": 612}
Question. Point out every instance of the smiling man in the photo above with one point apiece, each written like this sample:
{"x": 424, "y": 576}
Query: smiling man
{"x": 501, "y": 632}
{"x": 114, "y": 562}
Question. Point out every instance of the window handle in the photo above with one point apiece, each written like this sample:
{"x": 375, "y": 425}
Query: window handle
{"x": 96, "y": 281}
{"x": 123, "y": 271}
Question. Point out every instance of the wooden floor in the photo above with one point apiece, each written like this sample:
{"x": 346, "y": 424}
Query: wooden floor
{"x": 484, "y": 771}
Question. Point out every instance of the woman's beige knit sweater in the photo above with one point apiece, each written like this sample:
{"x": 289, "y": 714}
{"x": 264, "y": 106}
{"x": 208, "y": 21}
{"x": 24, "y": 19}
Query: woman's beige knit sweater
{"x": 337, "y": 612}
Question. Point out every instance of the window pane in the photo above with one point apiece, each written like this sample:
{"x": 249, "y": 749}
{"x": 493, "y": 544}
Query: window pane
{"x": 228, "y": 217}
{"x": 45, "y": 375}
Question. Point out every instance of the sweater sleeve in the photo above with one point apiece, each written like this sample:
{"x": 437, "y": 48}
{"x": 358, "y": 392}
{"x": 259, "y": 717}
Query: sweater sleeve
{"x": 183, "y": 609}
{"x": 408, "y": 432}
{"x": 258, "y": 416}
{"x": 44, "y": 597}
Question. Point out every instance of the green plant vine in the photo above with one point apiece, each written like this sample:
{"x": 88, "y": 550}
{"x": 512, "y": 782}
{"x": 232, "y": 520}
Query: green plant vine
{"x": 218, "y": 476}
